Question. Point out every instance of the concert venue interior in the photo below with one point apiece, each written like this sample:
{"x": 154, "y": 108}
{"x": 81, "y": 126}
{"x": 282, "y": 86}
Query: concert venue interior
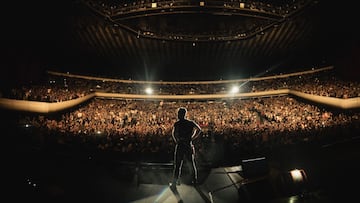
{"x": 89, "y": 92}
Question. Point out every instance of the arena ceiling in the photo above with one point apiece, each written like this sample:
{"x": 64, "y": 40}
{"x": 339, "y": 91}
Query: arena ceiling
{"x": 178, "y": 39}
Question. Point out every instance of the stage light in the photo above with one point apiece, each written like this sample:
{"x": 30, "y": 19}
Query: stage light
{"x": 234, "y": 90}
{"x": 298, "y": 175}
{"x": 149, "y": 90}
{"x": 153, "y": 5}
{"x": 294, "y": 182}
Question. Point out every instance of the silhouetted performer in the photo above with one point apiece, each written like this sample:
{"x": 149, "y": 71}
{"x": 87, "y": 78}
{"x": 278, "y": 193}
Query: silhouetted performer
{"x": 184, "y": 132}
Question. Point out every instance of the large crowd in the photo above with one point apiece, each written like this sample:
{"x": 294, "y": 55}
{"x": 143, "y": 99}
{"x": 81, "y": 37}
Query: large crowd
{"x": 242, "y": 125}
{"x": 237, "y": 125}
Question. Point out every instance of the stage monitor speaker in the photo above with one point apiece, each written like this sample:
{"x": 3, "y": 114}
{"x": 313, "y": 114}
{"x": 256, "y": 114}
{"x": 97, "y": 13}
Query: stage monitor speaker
{"x": 255, "y": 167}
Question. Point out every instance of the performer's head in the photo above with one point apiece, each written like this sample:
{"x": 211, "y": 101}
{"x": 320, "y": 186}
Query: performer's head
{"x": 182, "y": 112}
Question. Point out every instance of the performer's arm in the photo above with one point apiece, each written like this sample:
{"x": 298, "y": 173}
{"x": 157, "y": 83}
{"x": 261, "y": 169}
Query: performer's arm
{"x": 197, "y": 132}
{"x": 173, "y": 135}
